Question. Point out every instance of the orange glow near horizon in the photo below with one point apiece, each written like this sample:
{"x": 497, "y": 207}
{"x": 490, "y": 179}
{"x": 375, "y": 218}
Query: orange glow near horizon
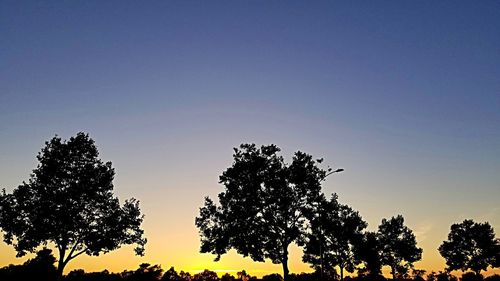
{"x": 193, "y": 262}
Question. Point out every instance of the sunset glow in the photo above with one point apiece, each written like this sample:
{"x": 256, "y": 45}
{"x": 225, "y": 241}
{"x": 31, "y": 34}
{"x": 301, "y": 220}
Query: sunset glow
{"x": 405, "y": 96}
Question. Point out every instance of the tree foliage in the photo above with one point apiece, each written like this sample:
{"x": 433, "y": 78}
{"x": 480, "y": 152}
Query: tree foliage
{"x": 368, "y": 251}
{"x": 40, "y": 268}
{"x": 336, "y": 229}
{"x": 69, "y": 201}
{"x": 399, "y": 245}
{"x": 206, "y": 275}
{"x": 145, "y": 272}
{"x": 261, "y": 210}
{"x": 471, "y": 245}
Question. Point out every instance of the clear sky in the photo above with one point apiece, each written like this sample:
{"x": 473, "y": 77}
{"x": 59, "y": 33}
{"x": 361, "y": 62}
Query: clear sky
{"x": 404, "y": 95}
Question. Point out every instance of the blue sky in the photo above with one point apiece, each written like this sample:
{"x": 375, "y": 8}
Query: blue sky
{"x": 405, "y": 95}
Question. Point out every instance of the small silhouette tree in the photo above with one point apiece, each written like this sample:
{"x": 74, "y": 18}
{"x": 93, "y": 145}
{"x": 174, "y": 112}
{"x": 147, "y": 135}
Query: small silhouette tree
{"x": 206, "y": 275}
{"x": 69, "y": 201}
{"x": 471, "y": 245}
{"x": 398, "y": 245}
{"x": 261, "y": 210}
{"x": 336, "y": 229}
{"x": 171, "y": 275}
{"x": 145, "y": 272}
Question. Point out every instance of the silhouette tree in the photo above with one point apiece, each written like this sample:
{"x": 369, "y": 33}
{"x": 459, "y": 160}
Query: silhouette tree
{"x": 186, "y": 276}
{"x": 227, "y": 277}
{"x": 399, "y": 246}
{"x": 336, "y": 229}
{"x": 244, "y": 276}
{"x": 471, "y": 245}
{"x": 272, "y": 277}
{"x": 261, "y": 211}
{"x": 471, "y": 276}
{"x": 69, "y": 201}
{"x": 145, "y": 272}
{"x": 206, "y": 275}
{"x": 368, "y": 251}
{"x": 81, "y": 275}
{"x": 171, "y": 275}
{"x": 40, "y": 268}
{"x": 418, "y": 274}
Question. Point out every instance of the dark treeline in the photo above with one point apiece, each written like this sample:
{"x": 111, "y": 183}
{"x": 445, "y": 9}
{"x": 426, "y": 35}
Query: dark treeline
{"x": 42, "y": 268}
{"x": 266, "y": 206}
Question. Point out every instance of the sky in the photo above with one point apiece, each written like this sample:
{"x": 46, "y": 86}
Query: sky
{"x": 404, "y": 95}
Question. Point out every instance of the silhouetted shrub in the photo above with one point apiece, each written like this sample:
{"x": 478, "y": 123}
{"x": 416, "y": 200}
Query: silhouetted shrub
{"x": 206, "y": 275}
{"x": 145, "y": 272}
{"x": 304, "y": 277}
{"x": 185, "y": 276}
{"x": 445, "y": 276}
{"x": 272, "y": 277}
{"x": 171, "y": 275}
{"x": 369, "y": 277}
{"x": 227, "y": 277}
{"x": 40, "y": 268}
{"x": 471, "y": 276}
{"x": 495, "y": 277}
{"x": 81, "y": 275}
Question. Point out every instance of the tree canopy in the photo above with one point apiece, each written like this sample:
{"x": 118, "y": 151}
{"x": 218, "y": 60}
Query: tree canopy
{"x": 471, "y": 245}
{"x": 368, "y": 251}
{"x": 69, "y": 201}
{"x": 398, "y": 245}
{"x": 261, "y": 210}
{"x": 336, "y": 229}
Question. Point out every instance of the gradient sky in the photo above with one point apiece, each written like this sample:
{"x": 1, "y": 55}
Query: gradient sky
{"x": 404, "y": 95}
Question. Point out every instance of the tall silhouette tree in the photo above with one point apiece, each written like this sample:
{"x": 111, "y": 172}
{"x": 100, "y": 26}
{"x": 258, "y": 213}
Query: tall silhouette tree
{"x": 69, "y": 201}
{"x": 368, "y": 251}
{"x": 336, "y": 229}
{"x": 471, "y": 245}
{"x": 261, "y": 210}
{"x": 399, "y": 245}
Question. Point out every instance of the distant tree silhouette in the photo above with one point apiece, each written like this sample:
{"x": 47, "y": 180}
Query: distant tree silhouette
{"x": 272, "y": 277}
{"x": 336, "y": 229}
{"x": 494, "y": 277}
{"x": 445, "y": 276}
{"x": 171, "y": 275}
{"x": 399, "y": 246}
{"x": 418, "y": 274}
{"x": 471, "y": 276}
{"x": 40, "y": 268}
{"x": 206, "y": 275}
{"x": 369, "y": 251}
{"x": 145, "y": 272}
{"x": 314, "y": 276}
{"x": 227, "y": 277}
{"x": 81, "y": 275}
{"x": 471, "y": 245}
{"x": 261, "y": 211}
{"x": 244, "y": 276}
{"x": 186, "y": 276}
{"x": 68, "y": 201}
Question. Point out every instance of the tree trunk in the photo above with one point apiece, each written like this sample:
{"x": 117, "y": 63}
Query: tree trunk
{"x": 285, "y": 263}
{"x": 60, "y": 266}
{"x": 341, "y": 273}
{"x": 393, "y": 272}
{"x": 61, "y": 263}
